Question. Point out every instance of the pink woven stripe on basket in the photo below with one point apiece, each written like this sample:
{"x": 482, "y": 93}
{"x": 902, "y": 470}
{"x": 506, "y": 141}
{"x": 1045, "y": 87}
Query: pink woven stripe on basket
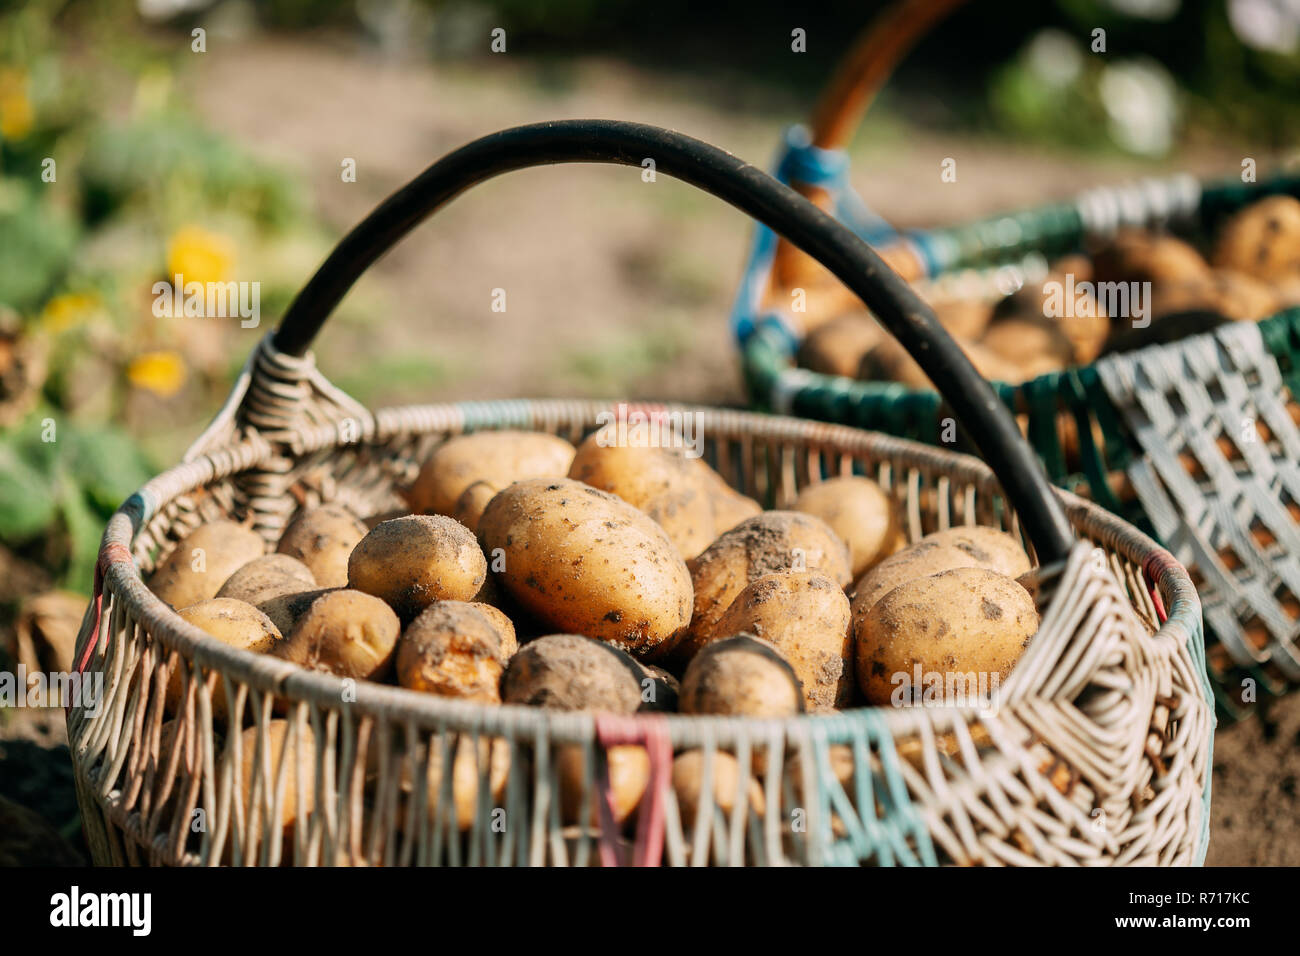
{"x": 649, "y": 731}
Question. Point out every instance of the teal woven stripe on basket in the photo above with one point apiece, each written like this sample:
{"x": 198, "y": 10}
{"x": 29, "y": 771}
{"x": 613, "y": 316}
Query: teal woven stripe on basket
{"x": 511, "y": 413}
{"x": 899, "y": 836}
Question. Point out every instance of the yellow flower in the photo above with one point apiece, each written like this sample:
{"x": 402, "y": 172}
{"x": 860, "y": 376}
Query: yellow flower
{"x": 162, "y": 373}
{"x": 197, "y": 255}
{"x": 16, "y": 113}
{"x": 68, "y": 310}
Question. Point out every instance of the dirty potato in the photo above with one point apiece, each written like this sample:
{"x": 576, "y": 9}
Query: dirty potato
{"x": 201, "y": 562}
{"x": 587, "y": 562}
{"x": 495, "y": 458}
{"x": 661, "y": 481}
{"x": 744, "y": 676}
{"x": 453, "y": 649}
{"x": 965, "y": 625}
{"x": 322, "y": 538}
{"x": 346, "y": 633}
{"x": 235, "y": 624}
{"x": 769, "y": 542}
{"x": 411, "y": 562}
{"x": 805, "y": 615}
{"x": 860, "y": 512}
{"x": 267, "y": 577}
{"x": 569, "y": 672}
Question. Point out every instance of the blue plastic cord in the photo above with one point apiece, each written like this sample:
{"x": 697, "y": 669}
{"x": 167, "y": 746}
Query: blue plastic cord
{"x": 800, "y": 162}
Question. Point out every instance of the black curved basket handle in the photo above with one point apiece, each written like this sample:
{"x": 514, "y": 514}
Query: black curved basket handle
{"x": 753, "y": 192}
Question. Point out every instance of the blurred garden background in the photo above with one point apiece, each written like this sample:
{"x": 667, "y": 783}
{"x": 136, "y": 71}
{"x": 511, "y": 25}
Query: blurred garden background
{"x": 143, "y": 139}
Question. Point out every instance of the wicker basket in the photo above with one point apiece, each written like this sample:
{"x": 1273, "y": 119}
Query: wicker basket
{"x": 1095, "y": 750}
{"x": 1229, "y": 510}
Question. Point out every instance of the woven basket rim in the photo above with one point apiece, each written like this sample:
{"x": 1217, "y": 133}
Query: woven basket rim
{"x": 282, "y": 678}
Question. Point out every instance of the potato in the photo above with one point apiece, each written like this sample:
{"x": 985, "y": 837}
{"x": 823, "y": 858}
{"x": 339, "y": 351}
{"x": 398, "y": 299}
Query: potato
{"x": 990, "y": 548}
{"x": 770, "y": 542}
{"x": 202, "y": 561}
{"x": 659, "y": 688}
{"x": 742, "y": 675}
{"x": 629, "y": 775}
{"x": 505, "y": 627}
{"x": 473, "y": 759}
{"x": 963, "y": 318}
{"x": 267, "y": 577}
{"x": 1139, "y": 256}
{"x": 689, "y": 787}
{"x": 806, "y": 616}
{"x": 890, "y": 361}
{"x": 469, "y": 506}
{"x": 453, "y": 650}
{"x": 497, "y": 458}
{"x": 860, "y": 513}
{"x": 233, "y": 623}
{"x": 281, "y": 766}
{"x": 322, "y": 538}
{"x": 963, "y": 547}
{"x": 730, "y": 507}
{"x": 569, "y": 672}
{"x": 968, "y": 625}
{"x": 587, "y": 562}
{"x": 1262, "y": 240}
{"x": 837, "y": 347}
{"x": 413, "y": 561}
{"x": 661, "y": 481}
{"x": 1024, "y": 339}
{"x": 285, "y": 609}
{"x": 346, "y": 633}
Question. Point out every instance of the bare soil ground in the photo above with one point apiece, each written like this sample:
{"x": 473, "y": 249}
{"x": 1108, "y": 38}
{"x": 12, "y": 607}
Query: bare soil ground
{"x": 613, "y": 286}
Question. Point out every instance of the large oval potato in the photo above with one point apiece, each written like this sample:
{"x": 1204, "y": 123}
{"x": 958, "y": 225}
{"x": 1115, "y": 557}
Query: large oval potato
{"x": 267, "y": 577}
{"x": 569, "y": 672}
{"x": 743, "y": 676}
{"x": 233, "y": 623}
{"x": 661, "y": 481}
{"x": 860, "y": 512}
{"x": 969, "y": 625}
{"x": 770, "y": 542}
{"x": 346, "y": 633}
{"x": 496, "y": 458}
{"x": 412, "y": 561}
{"x": 453, "y": 650}
{"x": 587, "y": 562}
{"x": 805, "y": 615}
{"x": 322, "y": 538}
{"x": 201, "y": 562}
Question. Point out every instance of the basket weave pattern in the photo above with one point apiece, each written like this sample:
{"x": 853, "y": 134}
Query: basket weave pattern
{"x": 1097, "y": 751}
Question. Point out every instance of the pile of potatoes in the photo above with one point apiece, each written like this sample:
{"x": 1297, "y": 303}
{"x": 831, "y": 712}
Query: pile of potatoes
{"x": 1250, "y": 270}
{"x": 612, "y": 579}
